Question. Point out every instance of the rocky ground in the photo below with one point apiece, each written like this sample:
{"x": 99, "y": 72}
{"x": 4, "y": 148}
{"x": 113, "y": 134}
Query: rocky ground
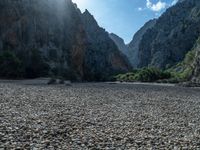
{"x": 99, "y": 116}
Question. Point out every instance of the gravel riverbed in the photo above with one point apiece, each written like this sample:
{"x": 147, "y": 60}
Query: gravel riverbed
{"x": 99, "y": 116}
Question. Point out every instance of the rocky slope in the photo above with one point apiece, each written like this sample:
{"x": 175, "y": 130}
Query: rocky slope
{"x": 133, "y": 46}
{"x": 120, "y": 43}
{"x": 131, "y": 49}
{"x": 173, "y": 35}
{"x": 71, "y": 43}
{"x": 196, "y": 64}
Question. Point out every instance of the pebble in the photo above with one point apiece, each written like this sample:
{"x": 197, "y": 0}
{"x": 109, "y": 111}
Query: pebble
{"x": 99, "y": 116}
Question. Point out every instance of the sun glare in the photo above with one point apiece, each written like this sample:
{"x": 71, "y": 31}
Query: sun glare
{"x": 80, "y": 3}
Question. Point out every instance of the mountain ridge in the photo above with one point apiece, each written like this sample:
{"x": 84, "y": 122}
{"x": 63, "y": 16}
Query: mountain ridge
{"x": 62, "y": 35}
{"x": 131, "y": 49}
{"x": 173, "y": 35}
{"x": 120, "y": 43}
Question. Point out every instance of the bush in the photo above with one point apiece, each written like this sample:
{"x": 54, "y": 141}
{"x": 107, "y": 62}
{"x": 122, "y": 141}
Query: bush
{"x": 144, "y": 75}
{"x": 183, "y": 70}
{"x": 10, "y": 65}
{"x": 151, "y": 75}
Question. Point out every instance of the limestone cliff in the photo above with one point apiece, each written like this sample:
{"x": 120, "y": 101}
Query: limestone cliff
{"x": 173, "y": 35}
{"x": 120, "y": 43}
{"x": 133, "y": 46}
{"x": 65, "y": 38}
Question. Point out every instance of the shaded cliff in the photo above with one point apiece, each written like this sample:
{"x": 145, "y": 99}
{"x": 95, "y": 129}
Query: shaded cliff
{"x": 196, "y": 63}
{"x": 131, "y": 50}
{"x": 173, "y": 35}
{"x": 120, "y": 43}
{"x": 133, "y": 46}
{"x": 69, "y": 42}
{"x": 188, "y": 70}
{"x": 100, "y": 44}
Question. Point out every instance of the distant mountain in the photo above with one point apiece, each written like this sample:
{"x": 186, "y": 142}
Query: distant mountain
{"x": 55, "y": 34}
{"x": 173, "y": 35}
{"x": 120, "y": 43}
{"x": 131, "y": 50}
{"x": 133, "y": 46}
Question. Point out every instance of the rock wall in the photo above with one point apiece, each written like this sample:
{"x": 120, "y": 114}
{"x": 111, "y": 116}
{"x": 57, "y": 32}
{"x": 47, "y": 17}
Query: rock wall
{"x": 173, "y": 35}
{"x": 65, "y": 37}
{"x": 196, "y": 64}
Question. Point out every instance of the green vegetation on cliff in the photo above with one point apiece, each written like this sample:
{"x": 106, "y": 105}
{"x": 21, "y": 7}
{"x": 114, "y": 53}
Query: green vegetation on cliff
{"x": 183, "y": 70}
{"x": 179, "y": 73}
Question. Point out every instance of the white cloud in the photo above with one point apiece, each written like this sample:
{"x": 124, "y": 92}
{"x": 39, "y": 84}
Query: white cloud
{"x": 140, "y": 8}
{"x": 157, "y": 6}
{"x": 174, "y": 2}
{"x": 148, "y": 4}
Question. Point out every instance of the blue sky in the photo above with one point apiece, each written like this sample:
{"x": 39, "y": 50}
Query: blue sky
{"x": 124, "y": 17}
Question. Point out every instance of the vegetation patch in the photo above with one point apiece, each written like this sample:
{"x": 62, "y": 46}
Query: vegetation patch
{"x": 144, "y": 75}
{"x": 183, "y": 70}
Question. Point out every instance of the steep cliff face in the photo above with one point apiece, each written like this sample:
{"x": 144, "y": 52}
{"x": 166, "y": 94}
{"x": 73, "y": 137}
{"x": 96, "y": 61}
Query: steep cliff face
{"x": 52, "y": 27}
{"x": 62, "y": 35}
{"x": 173, "y": 35}
{"x": 120, "y": 43}
{"x": 131, "y": 50}
{"x": 133, "y": 46}
{"x": 196, "y": 64}
{"x": 100, "y": 44}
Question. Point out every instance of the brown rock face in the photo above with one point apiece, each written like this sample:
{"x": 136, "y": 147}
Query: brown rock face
{"x": 78, "y": 54}
{"x": 62, "y": 35}
{"x": 117, "y": 62}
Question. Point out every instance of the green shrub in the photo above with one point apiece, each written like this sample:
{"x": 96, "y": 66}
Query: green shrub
{"x": 183, "y": 70}
{"x": 144, "y": 75}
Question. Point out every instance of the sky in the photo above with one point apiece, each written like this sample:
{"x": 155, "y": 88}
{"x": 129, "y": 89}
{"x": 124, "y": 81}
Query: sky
{"x": 124, "y": 17}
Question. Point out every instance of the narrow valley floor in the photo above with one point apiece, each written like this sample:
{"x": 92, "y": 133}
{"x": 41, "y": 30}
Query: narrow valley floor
{"x": 98, "y": 116}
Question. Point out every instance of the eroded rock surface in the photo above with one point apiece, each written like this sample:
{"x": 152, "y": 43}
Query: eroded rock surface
{"x": 69, "y": 41}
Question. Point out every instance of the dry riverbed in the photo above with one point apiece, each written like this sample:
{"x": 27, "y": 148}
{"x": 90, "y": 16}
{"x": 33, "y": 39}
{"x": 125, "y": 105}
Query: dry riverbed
{"x": 98, "y": 116}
